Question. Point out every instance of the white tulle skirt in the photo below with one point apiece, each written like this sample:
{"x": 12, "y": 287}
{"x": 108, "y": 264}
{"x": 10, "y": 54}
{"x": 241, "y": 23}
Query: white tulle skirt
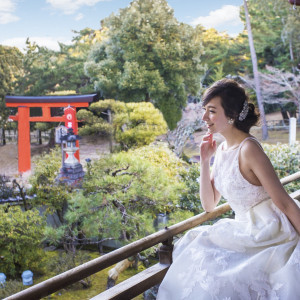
{"x": 254, "y": 256}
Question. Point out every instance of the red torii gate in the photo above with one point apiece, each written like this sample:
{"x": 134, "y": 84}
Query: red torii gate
{"x": 24, "y": 103}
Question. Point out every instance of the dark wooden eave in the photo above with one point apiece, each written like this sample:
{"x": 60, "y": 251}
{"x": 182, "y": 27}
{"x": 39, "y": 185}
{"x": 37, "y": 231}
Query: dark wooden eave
{"x": 51, "y": 99}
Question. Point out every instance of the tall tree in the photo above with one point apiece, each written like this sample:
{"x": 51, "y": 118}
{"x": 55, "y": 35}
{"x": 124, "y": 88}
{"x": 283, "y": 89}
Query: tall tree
{"x": 48, "y": 71}
{"x": 255, "y": 74}
{"x": 70, "y": 65}
{"x": 10, "y": 68}
{"x": 291, "y": 36}
{"x": 39, "y": 71}
{"x": 148, "y": 56}
{"x": 274, "y": 25}
{"x": 222, "y": 53}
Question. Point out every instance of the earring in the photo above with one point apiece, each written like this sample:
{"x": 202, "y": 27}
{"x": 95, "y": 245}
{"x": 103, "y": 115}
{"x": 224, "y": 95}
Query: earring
{"x": 230, "y": 121}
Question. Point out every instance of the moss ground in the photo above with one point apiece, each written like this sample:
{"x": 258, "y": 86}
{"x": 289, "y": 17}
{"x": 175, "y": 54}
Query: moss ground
{"x": 76, "y": 292}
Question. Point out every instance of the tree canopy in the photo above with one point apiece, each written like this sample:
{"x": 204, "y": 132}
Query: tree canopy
{"x": 147, "y": 56}
{"x": 131, "y": 124}
{"x": 274, "y": 25}
{"x": 10, "y": 69}
{"x": 47, "y": 71}
{"x": 21, "y": 235}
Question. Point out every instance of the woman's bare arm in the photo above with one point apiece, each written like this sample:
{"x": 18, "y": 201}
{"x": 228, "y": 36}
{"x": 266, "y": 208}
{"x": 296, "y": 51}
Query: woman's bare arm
{"x": 209, "y": 196}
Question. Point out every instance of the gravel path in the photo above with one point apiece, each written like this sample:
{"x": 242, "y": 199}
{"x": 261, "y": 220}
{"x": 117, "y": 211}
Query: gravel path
{"x": 89, "y": 148}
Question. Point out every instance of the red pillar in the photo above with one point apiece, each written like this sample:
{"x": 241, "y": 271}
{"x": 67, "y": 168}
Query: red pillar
{"x": 23, "y": 139}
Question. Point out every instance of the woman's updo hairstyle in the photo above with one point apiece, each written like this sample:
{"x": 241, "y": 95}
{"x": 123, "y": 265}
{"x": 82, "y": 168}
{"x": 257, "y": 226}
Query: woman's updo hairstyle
{"x": 233, "y": 97}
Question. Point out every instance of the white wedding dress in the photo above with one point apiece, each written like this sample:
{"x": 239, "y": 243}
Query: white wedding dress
{"x": 254, "y": 256}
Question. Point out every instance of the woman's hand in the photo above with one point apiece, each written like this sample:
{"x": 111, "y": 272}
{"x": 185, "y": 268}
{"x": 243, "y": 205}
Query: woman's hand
{"x": 207, "y": 147}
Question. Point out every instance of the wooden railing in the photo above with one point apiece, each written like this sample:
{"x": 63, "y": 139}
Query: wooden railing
{"x": 139, "y": 283}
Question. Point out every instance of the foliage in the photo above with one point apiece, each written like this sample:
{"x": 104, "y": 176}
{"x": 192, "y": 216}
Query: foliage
{"x": 274, "y": 24}
{"x": 132, "y": 124}
{"x": 179, "y": 215}
{"x": 218, "y": 73}
{"x": 223, "y": 54}
{"x": 6, "y": 190}
{"x": 76, "y": 292}
{"x": 190, "y": 197}
{"x": 39, "y": 71}
{"x": 121, "y": 195}
{"x": 20, "y": 239}
{"x": 279, "y": 82}
{"x": 44, "y": 186}
{"x": 147, "y": 56}
{"x": 15, "y": 189}
{"x": 66, "y": 261}
{"x": 11, "y": 287}
{"x": 133, "y": 184}
{"x": 285, "y": 160}
{"x": 43, "y": 126}
{"x": 139, "y": 125}
{"x": 71, "y": 59}
{"x": 280, "y": 90}
{"x": 47, "y": 71}
{"x": 10, "y": 68}
{"x": 160, "y": 155}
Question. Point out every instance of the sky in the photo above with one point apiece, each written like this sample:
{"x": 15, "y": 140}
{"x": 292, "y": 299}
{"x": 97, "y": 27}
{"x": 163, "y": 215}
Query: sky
{"x": 48, "y": 22}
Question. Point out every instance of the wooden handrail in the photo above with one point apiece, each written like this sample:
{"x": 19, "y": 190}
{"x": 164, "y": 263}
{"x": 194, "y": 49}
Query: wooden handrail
{"x": 290, "y": 178}
{"x": 60, "y": 281}
{"x": 136, "y": 284}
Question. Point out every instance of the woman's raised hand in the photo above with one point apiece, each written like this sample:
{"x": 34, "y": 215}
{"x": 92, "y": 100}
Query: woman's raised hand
{"x": 207, "y": 147}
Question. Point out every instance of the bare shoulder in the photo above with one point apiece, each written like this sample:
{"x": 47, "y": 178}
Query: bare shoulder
{"x": 251, "y": 146}
{"x": 253, "y": 153}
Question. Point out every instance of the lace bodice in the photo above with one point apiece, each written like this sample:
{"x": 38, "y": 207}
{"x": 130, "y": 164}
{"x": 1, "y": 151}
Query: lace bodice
{"x": 240, "y": 193}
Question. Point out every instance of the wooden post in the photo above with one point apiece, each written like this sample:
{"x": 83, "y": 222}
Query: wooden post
{"x": 110, "y": 134}
{"x": 23, "y": 139}
{"x": 165, "y": 252}
{"x": 293, "y": 127}
{"x": 3, "y": 136}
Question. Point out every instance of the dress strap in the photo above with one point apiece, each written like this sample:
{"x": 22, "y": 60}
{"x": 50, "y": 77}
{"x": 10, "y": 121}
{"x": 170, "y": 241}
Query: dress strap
{"x": 253, "y": 139}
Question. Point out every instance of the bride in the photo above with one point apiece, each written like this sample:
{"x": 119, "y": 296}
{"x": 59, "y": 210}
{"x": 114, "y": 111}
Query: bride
{"x": 256, "y": 255}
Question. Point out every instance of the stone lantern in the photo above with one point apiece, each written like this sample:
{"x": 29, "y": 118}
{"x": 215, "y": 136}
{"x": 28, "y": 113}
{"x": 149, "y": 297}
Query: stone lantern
{"x": 70, "y": 149}
{"x": 71, "y": 171}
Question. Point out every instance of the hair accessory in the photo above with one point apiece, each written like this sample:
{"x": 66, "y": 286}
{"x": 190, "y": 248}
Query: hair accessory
{"x": 243, "y": 114}
{"x": 230, "y": 121}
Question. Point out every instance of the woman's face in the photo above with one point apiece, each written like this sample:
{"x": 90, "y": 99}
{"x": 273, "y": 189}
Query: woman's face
{"x": 214, "y": 116}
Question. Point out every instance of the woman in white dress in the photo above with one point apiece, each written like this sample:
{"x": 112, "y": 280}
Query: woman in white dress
{"x": 257, "y": 254}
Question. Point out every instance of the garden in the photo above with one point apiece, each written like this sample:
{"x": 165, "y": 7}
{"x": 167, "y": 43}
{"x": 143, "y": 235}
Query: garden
{"x": 148, "y": 121}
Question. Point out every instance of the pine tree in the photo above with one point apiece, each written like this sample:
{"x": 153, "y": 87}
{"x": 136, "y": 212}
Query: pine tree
{"x": 10, "y": 68}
